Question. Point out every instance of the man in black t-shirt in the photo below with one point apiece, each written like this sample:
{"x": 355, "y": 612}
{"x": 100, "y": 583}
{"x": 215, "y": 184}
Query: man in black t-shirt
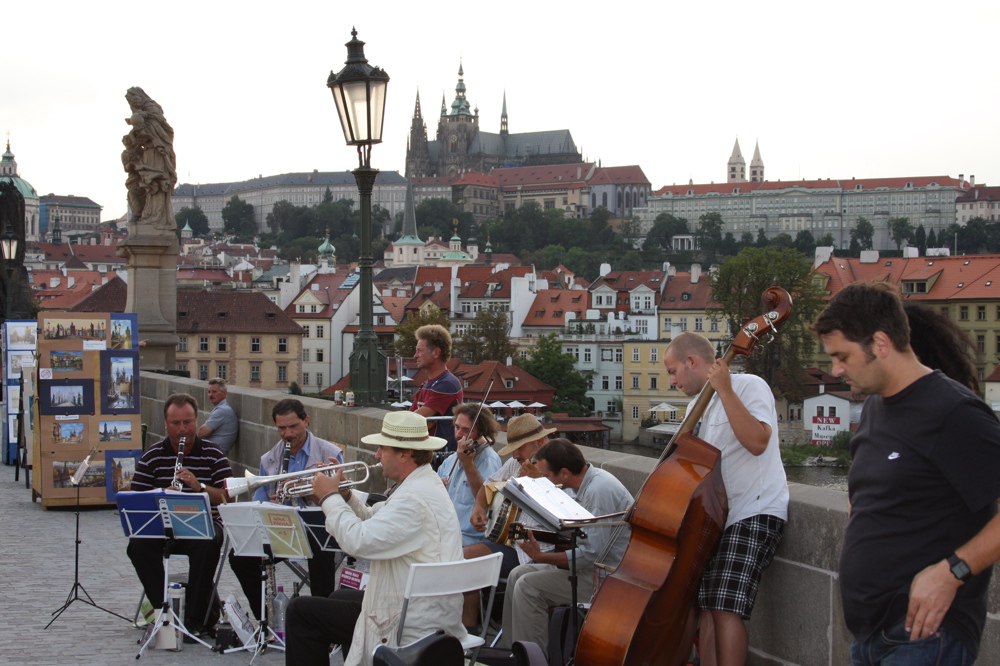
{"x": 923, "y": 530}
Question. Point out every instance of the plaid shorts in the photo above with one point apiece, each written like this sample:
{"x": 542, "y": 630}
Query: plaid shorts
{"x": 733, "y": 574}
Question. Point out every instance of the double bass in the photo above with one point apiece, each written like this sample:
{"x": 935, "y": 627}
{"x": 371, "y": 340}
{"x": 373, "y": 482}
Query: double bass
{"x": 644, "y": 611}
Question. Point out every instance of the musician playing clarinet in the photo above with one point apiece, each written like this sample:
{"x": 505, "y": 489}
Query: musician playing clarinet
{"x": 298, "y": 449}
{"x": 203, "y": 468}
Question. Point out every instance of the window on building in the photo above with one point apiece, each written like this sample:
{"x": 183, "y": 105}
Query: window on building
{"x": 255, "y": 345}
{"x": 635, "y": 411}
{"x": 203, "y": 343}
{"x": 305, "y": 355}
{"x": 305, "y": 378}
{"x": 254, "y": 373}
{"x": 222, "y": 344}
{"x": 282, "y": 345}
{"x": 635, "y": 381}
{"x": 963, "y": 312}
{"x": 508, "y": 383}
{"x": 833, "y": 411}
{"x": 586, "y": 354}
{"x": 619, "y": 384}
{"x": 618, "y": 355}
{"x": 684, "y": 324}
{"x": 182, "y": 344}
{"x": 319, "y": 355}
{"x": 713, "y": 325}
{"x": 319, "y": 379}
{"x": 604, "y": 382}
{"x": 654, "y": 354}
{"x": 699, "y": 324}
{"x": 301, "y": 309}
{"x": 549, "y": 204}
{"x": 221, "y": 370}
{"x": 981, "y": 344}
{"x": 305, "y": 331}
{"x": 820, "y": 411}
{"x": 282, "y": 373}
{"x": 203, "y": 371}
{"x": 635, "y": 354}
{"x": 320, "y": 331}
{"x": 652, "y": 382}
{"x": 667, "y": 323}
{"x": 312, "y": 309}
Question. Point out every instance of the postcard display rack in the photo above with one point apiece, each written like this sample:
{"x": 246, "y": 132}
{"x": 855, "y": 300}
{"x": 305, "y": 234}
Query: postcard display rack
{"x": 18, "y": 354}
{"x": 87, "y": 396}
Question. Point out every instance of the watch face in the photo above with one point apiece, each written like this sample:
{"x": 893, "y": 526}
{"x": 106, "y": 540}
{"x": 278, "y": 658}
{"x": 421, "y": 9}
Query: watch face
{"x": 959, "y": 568}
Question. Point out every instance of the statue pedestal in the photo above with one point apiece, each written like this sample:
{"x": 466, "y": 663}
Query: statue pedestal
{"x": 152, "y": 295}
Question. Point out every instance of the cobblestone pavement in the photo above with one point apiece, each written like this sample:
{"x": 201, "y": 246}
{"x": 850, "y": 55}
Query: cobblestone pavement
{"x": 37, "y": 552}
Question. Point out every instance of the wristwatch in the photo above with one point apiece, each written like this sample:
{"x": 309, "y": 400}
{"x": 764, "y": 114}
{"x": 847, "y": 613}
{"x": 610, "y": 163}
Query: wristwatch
{"x": 204, "y": 488}
{"x": 959, "y": 568}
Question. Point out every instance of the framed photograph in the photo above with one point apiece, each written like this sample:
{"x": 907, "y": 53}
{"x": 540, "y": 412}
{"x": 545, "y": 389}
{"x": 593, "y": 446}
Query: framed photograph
{"x": 120, "y": 468}
{"x": 13, "y": 397}
{"x": 66, "y": 361}
{"x": 116, "y": 431}
{"x": 74, "y": 327}
{"x": 63, "y": 470}
{"x": 119, "y": 381}
{"x": 70, "y": 434}
{"x": 124, "y": 328}
{"x": 65, "y": 397}
{"x": 17, "y": 360}
{"x": 21, "y": 334}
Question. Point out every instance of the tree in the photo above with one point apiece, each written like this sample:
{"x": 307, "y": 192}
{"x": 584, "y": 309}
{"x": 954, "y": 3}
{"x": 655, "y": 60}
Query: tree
{"x": 746, "y": 240}
{"x": 805, "y": 242}
{"x": 237, "y": 219}
{"x": 920, "y": 240}
{"x": 863, "y": 232}
{"x": 826, "y": 240}
{"x": 782, "y": 240}
{"x": 761, "y": 237}
{"x": 487, "y": 339}
{"x": 630, "y": 261}
{"x": 629, "y": 232}
{"x": 548, "y": 363}
{"x": 709, "y": 234}
{"x": 736, "y": 290}
{"x": 195, "y": 218}
{"x": 900, "y": 230}
{"x": 664, "y": 228}
{"x": 406, "y": 340}
{"x": 932, "y": 239}
{"x": 729, "y": 246}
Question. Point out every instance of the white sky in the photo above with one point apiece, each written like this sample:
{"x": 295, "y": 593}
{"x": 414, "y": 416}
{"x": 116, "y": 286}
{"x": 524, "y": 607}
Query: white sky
{"x": 850, "y": 89}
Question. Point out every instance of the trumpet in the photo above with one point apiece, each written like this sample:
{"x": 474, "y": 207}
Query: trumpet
{"x": 299, "y": 484}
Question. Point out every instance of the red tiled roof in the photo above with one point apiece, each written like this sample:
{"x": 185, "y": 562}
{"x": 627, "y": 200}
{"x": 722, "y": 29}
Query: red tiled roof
{"x": 109, "y": 298}
{"x": 551, "y": 173}
{"x": 329, "y": 291}
{"x": 946, "y": 278}
{"x": 619, "y": 174}
{"x": 628, "y": 280}
{"x": 699, "y": 295}
{"x": 98, "y": 253}
{"x": 830, "y": 184}
{"x": 551, "y": 306}
{"x": 980, "y": 193}
{"x": 475, "y": 178}
{"x": 525, "y": 384}
{"x": 231, "y": 311}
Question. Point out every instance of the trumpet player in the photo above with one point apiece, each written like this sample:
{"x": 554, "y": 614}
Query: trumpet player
{"x": 298, "y": 449}
{"x": 205, "y": 469}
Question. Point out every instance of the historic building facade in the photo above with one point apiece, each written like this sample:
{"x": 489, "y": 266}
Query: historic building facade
{"x": 461, "y": 146}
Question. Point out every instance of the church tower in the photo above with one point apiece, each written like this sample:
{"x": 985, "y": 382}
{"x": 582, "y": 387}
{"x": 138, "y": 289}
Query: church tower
{"x": 418, "y": 159}
{"x": 737, "y": 171}
{"x": 756, "y": 166}
{"x": 457, "y": 129}
{"x": 503, "y": 117}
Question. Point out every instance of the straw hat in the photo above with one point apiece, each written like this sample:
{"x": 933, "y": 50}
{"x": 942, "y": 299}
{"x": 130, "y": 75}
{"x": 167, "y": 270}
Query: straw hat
{"x": 521, "y": 430}
{"x": 405, "y": 430}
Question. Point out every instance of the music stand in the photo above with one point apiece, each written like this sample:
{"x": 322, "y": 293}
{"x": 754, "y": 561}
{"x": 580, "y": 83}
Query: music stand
{"x": 561, "y": 514}
{"x": 74, "y": 592}
{"x": 169, "y": 515}
{"x": 265, "y": 530}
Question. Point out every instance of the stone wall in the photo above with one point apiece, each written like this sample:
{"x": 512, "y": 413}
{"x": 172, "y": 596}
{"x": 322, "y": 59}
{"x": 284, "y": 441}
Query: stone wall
{"x": 797, "y": 619}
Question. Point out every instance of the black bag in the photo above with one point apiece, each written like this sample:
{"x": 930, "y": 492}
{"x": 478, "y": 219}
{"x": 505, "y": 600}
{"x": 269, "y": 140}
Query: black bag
{"x": 562, "y": 638}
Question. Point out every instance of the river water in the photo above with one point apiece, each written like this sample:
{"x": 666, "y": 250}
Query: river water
{"x": 825, "y": 477}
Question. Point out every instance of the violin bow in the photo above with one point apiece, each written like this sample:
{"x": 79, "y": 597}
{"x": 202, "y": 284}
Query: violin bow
{"x": 474, "y": 422}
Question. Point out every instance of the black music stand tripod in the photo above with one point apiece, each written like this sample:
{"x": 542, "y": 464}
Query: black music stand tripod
{"x": 74, "y": 592}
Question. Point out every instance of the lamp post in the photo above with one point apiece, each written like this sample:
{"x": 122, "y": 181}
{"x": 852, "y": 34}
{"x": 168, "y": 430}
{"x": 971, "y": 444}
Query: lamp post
{"x": 8, "y": 244}
{"x": 359, "y": 92}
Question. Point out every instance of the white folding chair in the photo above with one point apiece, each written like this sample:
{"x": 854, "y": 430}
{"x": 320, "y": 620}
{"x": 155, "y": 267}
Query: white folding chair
{"x": 440, "y": 578}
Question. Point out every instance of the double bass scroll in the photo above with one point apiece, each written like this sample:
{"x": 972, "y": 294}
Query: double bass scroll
{"x": 644, "y": 611}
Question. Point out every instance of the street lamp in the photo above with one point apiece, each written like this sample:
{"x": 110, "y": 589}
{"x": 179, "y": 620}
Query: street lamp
{"x": 8, "y": 244}
{"x": 359, "y": 92}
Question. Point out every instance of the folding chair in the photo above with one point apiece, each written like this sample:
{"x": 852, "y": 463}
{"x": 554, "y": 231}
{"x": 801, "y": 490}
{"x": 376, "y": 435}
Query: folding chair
{"x": 441, "y": 578}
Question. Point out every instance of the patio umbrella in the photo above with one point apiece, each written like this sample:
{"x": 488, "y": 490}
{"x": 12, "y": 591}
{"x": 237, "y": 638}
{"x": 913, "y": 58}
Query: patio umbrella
{"x": 663, "y": 407}
{"x": 407, "y": 403}
{"x": 497, "y": 405}
{"x": 537, "y": 404}
{"x": 517, "y": 405}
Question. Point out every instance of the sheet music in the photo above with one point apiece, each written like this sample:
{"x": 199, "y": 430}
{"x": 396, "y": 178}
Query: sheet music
{"x": 547, "y": 500}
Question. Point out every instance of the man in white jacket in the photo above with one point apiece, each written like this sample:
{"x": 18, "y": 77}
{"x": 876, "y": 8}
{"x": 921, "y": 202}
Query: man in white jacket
{"x": 417, "y": 523}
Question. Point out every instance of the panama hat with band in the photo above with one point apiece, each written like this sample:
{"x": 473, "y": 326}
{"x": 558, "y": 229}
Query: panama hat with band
{"x": 521, "y": 430}
{"x": 405, "y": 430}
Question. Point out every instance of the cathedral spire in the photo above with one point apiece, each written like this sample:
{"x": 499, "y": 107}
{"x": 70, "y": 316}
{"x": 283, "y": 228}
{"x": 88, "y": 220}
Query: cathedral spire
{"x": 756, "y": 166}
{"x": 416, "y": 108}
{"x": 503, "y": 116}
{"x": 460, "y": 107}
{"x": 737, "y": 167}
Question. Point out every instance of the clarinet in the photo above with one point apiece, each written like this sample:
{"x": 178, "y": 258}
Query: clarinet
{"x": 285, "y": 458}
{"x": 179, "y": 465}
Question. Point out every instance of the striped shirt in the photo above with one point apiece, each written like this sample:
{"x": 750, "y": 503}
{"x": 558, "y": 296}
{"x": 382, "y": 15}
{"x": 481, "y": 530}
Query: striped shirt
{"x": 155, "y": 468}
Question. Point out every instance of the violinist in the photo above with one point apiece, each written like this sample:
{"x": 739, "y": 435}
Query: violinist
{"x": 742, "y": 422}
{"x": 463, "y": 471}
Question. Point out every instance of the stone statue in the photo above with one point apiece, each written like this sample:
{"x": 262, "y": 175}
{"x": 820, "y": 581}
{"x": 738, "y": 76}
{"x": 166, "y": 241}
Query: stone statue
{"x": 149, "y": 160}
{"x": 150, "y": 250}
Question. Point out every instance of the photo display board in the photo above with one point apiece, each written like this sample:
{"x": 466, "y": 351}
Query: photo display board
{"x": 87, "y": 396}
